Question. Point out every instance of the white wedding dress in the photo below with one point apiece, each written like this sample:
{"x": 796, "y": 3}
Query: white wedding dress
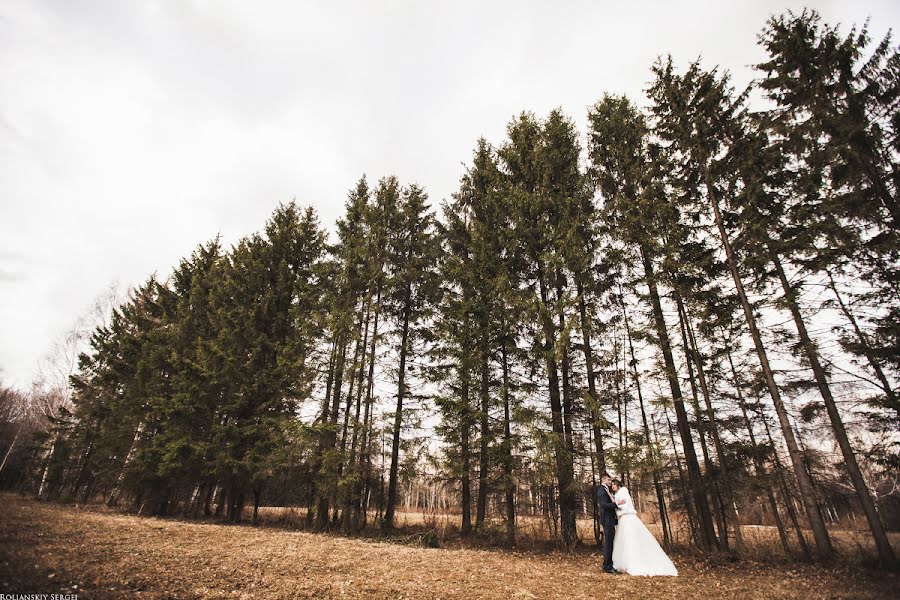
{"x": 635, "y": 549}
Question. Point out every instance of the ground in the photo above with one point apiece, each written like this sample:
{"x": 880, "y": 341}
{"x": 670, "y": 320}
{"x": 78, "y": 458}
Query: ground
{"x": 50, "y": 548}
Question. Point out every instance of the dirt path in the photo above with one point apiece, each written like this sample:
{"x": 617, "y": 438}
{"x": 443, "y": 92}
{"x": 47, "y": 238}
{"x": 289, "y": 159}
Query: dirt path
{"x": 47, "y": 548}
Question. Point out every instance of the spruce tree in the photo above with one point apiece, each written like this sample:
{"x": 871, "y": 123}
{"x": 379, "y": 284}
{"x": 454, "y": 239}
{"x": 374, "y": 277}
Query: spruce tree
{"x": 412, "y": 252}
{"x": 619, "y": 159}
{"x": 539, "y": 161}
{"x": 697, "y": 117}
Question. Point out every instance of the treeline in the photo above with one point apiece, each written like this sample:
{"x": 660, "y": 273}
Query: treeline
{"x": 701, "y": 295}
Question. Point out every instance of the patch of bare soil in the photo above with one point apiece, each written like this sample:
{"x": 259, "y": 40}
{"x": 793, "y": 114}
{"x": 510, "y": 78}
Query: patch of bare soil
{"x": 48, "y": 548}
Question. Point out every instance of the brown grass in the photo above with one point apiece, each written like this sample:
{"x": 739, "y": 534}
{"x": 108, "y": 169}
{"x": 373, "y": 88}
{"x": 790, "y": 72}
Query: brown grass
{"x": 49, "y": 548}
{"x": 761, "y": 543}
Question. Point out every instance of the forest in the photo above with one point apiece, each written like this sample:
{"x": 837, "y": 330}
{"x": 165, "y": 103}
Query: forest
{"x": 700, "y": 293}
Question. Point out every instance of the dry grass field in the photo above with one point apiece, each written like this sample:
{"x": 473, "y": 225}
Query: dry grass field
{"x": 49, "y": 548}
{"x": 761, "y": 542}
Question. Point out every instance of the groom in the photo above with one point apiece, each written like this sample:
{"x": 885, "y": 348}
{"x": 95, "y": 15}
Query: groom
{"x": 607, "y": 521}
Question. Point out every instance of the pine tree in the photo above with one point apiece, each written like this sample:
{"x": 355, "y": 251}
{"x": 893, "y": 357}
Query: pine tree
{"x": 181, "y": 449}
{"x": 697, "y": 116}
{"x": 378, "y": 217}
{"x": 346, "y": 315}
{"x": 765, "y": 195}
{"x": 266, "y": 310}
{"x": 540, "y": 162}
{"x": 452, "y": 352}
{"x": 619, "y": 159}
{"x": 835, "y": 122}
{"x": 411, "y": 259}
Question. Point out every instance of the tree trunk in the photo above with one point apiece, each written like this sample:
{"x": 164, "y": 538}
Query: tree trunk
{"x": 347, "y": 517}
{"x": 329, "y": 435}
{"x": 323, "y": 419}
{"x": 11, "y": 446}
{"x": 804, "y": 482}
{"x": 571, "y": 537}
{"x": 711, "y": 471}
{"x": 257, "y": 497}
{"x": 398, "y": 414}
{"x": 785, "y": 492}
{"x": 885, "y": 552}
{"x": 891, "y": 395}
{"x": 565, "y": 471}
{"x": 594, "y": 406}
{"x": 365, "y": 456}
{"x": 82, "y": 467}
{"x": 717, "y": 439}
{"x": 355, "y": 368}
{"x": 45, "y": 475}
{"x": 483, "y": 466}
{"x": 758, "y": 464}
{"x": 464, "y": 420}
{"x": 113, "y": 498}
{"x": 509, "y": 483}
{"x": 595, "y": 509}
{"x": 207, "y": 500}
{"x": 694, "y": 533}
{"x": 695, "y": 481}
{"x": 657, "y": 485}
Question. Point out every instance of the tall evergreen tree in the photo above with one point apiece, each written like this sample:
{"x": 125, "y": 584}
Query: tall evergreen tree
{"x": 633, "y": 200}
{"x": 412, "y": 253}
{"x": 697, "y": 116}
{"x": 540, "y": 162}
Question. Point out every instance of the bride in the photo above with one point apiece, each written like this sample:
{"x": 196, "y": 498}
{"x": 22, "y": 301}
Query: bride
{"x": 636, "y": 551}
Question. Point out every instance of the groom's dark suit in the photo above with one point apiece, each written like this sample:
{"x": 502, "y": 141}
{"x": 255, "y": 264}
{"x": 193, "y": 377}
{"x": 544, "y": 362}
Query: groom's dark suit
{"x": 608, "y": 521}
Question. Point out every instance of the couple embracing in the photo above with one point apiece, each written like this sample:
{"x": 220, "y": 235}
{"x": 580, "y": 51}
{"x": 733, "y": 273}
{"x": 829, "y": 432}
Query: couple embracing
{"x": 628, "y": 546}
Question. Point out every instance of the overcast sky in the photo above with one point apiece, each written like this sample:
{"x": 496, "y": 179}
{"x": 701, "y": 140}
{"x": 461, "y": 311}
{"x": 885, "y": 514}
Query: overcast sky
{"x": 131, "y": 131}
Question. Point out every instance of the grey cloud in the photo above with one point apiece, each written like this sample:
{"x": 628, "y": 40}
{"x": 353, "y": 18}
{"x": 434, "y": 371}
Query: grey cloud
{"x": 133, "y": 131}
{"x": 9, "y": 276}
